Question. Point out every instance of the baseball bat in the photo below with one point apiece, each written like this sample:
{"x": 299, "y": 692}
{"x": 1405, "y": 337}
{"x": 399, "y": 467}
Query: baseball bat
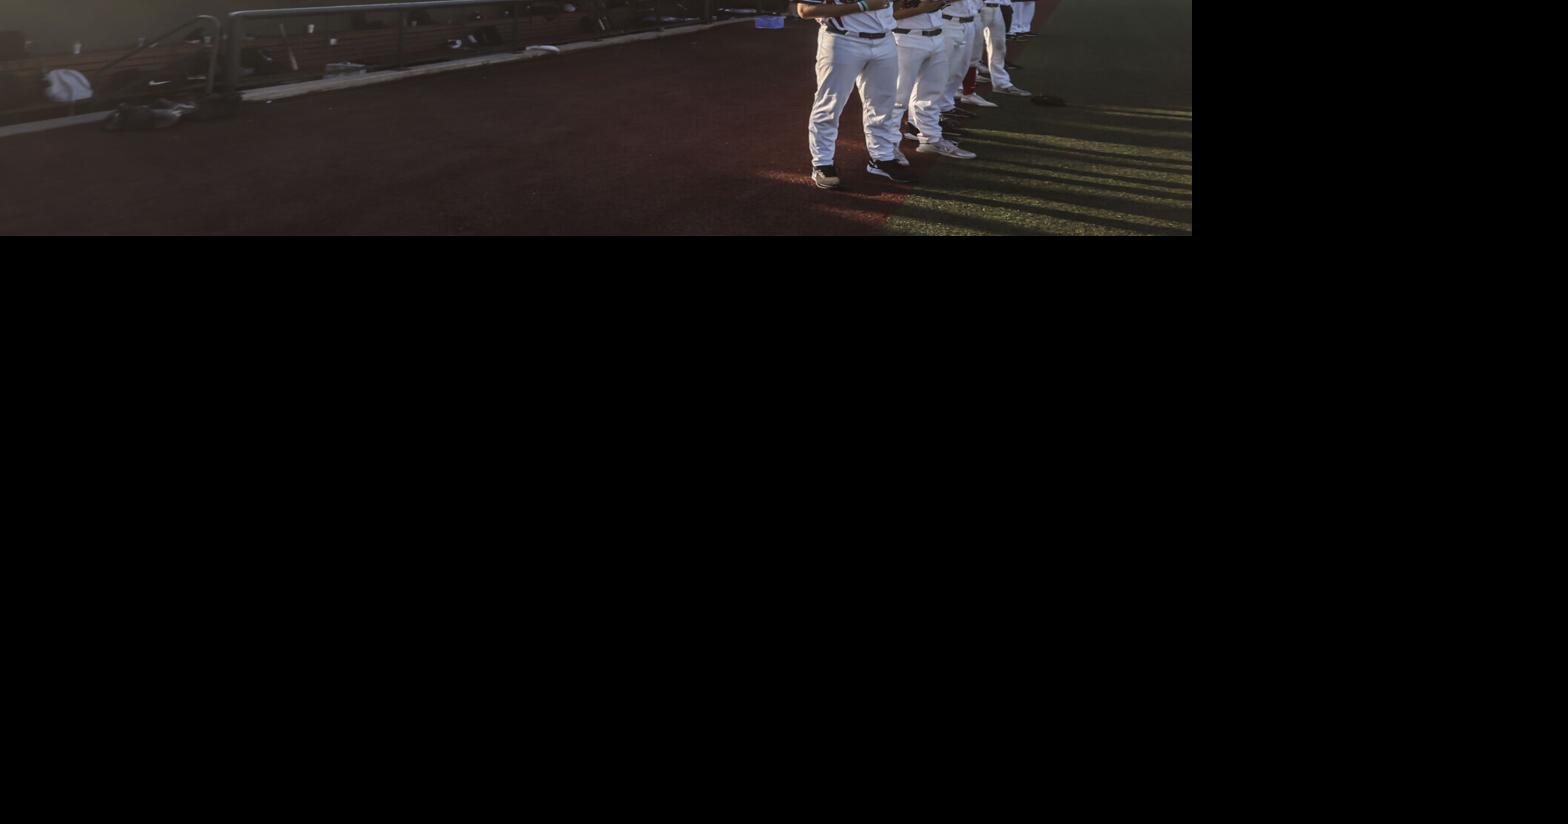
{"x": 293, "y": 63}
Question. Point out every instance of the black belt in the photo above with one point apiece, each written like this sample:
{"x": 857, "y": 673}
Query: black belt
{"x": 860, "y": 34}
{"x": 924, "y": 33}
{"x": 959, "y": 19}
{"x": 993, "y": 5}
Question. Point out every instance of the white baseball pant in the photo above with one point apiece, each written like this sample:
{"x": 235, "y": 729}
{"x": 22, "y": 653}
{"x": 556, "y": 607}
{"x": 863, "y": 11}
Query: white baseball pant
{"x": 922, "y": 79}
{"x": 844, "y": 64}
{"x": 976, "y": 42}
{"x": 1023, "y": 15}
{"x": 995, "y": 45}
{"x": 956, "y": 37}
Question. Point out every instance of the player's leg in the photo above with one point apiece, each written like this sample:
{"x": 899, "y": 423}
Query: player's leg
{"x": 837, "y": 68}
{"x": 996, "y": 44}
{"x": 925, "y": 90}
{"x": 971, "y": 77}
{"x": 909, "y": 63}
{"x": 995, "y": 49}
{"x": 878, "y": 95}
{"x": 926, "y": 106}
{"x": 983, "y": 60}
{"x": 957, "y": 48}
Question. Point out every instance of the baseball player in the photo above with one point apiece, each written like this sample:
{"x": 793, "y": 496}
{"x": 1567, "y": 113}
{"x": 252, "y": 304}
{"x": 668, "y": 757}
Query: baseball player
{"x": 922, "y": 75}
{"x": 995, "y": 32}
{"x": 958, "y": 19}
{"x": 1023, "y": 17}
{"x": 854, "y": 50}
{"x": 976, "y": 51}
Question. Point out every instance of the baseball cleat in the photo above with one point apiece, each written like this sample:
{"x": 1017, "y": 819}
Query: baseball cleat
{"x": 1015, "y": 91}
{"x": 958, "y": 112}
{"x": 977, "y": 100}
{"x": 945, "y": 148}
{"x": 890, "y": 170}
{"x": 826, "y": 177}
{"x": 899, "y": 156}
{"x": 911, "y": 133}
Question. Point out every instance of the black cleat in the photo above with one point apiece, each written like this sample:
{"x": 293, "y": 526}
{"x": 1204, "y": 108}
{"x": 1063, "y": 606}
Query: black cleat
{"x": 890, "y": 170}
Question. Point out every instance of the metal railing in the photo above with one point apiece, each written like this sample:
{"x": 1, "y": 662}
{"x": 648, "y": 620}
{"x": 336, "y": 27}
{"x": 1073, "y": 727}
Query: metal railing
{"x": 236, "y": 26}
{"x": 213, "y": 47}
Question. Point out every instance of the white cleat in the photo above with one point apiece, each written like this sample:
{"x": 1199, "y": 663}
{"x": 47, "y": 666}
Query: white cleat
{"x": 977, "y": 100}
{"x": 1015, "y": 91}
{"x": 946, "y": 148}
{"x": 900, "y": 157}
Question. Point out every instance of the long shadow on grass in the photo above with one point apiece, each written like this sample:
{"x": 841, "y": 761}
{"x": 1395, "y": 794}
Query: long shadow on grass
{"x": 1180, "y": 215}
{"x": 987, "y": 163}
{"x": 948, "y": 223}
{"x": 1083, "y": 155}
{"x": 1040, "y": 173}
{"x": 1111, "y": 133}
{"x": 1124, "y": 113}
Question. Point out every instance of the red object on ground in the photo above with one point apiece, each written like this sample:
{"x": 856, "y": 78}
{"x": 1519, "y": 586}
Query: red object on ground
{"x": 699, "y": 133}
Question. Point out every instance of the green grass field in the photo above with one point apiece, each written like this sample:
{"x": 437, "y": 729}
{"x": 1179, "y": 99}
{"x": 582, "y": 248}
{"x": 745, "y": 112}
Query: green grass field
{"x": 1116, "y": 161}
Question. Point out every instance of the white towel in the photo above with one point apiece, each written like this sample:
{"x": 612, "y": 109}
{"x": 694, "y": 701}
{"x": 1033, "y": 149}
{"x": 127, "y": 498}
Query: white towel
{"x": 68, "y": 86}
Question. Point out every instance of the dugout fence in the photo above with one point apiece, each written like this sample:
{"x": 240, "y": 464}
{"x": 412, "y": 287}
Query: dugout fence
{"x": 261, "y": 49}
{"x": 272, "y": 46}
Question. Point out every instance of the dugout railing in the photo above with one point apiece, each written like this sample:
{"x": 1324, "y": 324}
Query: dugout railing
{"x": 183, "y": 60}
{"x": 197, "y": 22}
{"x": 392, "y": 36}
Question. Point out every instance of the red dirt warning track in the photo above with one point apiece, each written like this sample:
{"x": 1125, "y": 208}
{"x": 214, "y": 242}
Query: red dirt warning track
{"x": 701, "y": 133}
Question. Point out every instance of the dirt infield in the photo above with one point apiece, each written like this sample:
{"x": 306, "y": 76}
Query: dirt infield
{"x": 696, "y": 134}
